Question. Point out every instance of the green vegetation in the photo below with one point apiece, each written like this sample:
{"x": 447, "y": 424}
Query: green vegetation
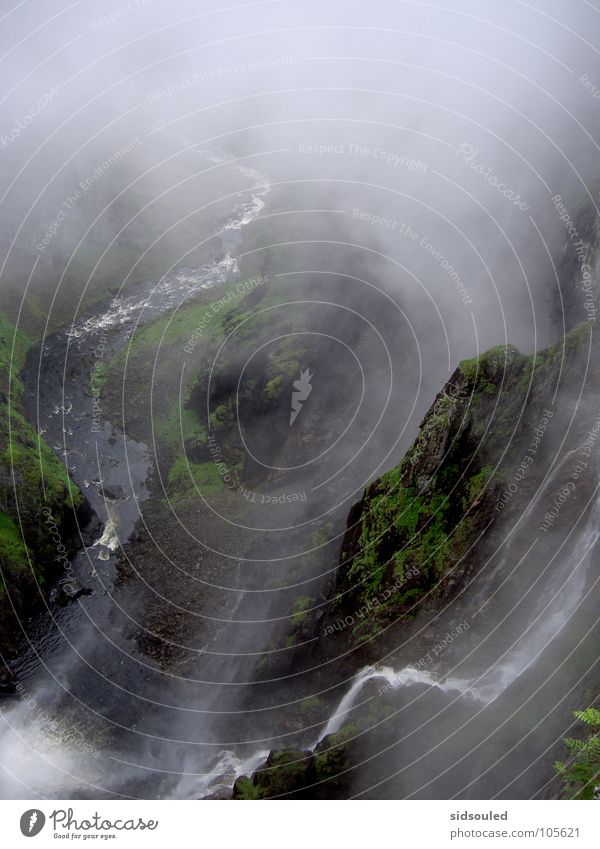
{"x": 39, "y": 475}
{"x": 581, "y": 772}
{"x": 187, "y": 480}
{"x": 478, "y": 369}
{"x": 246, "y": 790}
{"x": 411, "y": 534}
{"x": 408, "y": 537}
{"x": 331, "y": 756}
{"x": 180, "y": 356}
{"x": 155, "y": 357}
{"x": 311, "y": 709}
{"x": 12, "y": 547}
{"x": 299, "y": 610}
{"x": 31, "y": 478}
{"x": 302, "y": 775}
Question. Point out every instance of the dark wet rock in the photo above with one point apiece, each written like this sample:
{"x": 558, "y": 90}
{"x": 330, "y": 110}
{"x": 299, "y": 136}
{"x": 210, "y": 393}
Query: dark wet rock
{"x": 8, "y": 681}
{"x": 404, "y": 548}
{"x": 70, "y": 591}
{"x": 90, "y": 527}
{"x": 221, "y": 793}
{"x": 114, "y": 493}
{"x": 284, "y": 773}
{"x": 318, "y": 774}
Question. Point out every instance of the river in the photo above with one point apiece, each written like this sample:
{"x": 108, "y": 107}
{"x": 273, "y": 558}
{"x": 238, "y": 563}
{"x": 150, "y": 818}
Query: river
{"x": 478, "y": 714}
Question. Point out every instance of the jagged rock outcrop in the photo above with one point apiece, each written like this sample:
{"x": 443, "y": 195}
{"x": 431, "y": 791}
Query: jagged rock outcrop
{"x": 413, "y": 537}
{"x": 316, "y": 774}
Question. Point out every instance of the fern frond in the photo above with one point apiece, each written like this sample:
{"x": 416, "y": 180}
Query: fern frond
{"x": 590, "y": 716}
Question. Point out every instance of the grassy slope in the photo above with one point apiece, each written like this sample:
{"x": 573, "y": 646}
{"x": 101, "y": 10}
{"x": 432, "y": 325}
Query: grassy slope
{"x": 27, "y": 465}
{"x": 137, "y": 368}
{"x": 409, "y": 536}
{"x": 155, "y": 357}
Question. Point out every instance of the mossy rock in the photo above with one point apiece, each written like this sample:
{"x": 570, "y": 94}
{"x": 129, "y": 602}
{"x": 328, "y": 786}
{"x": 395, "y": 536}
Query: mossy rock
{"x": 409, "y": 538}
{"x": 29, "y": 467}
{"x": 284, "y": 773}
{"x": 321, "y": 774}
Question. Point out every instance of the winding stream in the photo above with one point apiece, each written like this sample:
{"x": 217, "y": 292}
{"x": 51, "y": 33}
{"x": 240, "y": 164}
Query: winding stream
{"x": 50, "y": 746}
{"x": 469, "y": 722}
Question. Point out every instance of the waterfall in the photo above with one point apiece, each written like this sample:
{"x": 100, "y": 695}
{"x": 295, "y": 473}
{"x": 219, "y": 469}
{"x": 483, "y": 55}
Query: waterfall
{"x": 405, "y": 677}
{"x": 555, "y": 606}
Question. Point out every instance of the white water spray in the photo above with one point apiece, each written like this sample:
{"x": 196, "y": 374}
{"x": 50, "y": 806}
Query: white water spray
{"x": 406, "y": 677}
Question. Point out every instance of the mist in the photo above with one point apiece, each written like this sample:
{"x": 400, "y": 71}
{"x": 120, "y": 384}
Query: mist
{"x": 413, "y": 180}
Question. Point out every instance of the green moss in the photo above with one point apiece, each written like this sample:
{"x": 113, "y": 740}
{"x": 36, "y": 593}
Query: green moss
{"x": 13, "y": 350}
{"x": 172, "y": 354}
{"x": 246, "y": 790}
{"x": 31, "y": 478}
{"x": 332, "y": 759}
{"x": 186, "y": 480}
{"x": 273, "y": 388}
{"x": 476, "y": 484}
{"x": 41, "y": 475}
{"x": 419, "y": 520}
{"x": 414, "y": 527}
{"x": 299, "y": 610}
{"x": 311, "y": 708}
{"x": 492, "y": 363}
{"x": 178, "y": 426}
{"x": 20, "y": 446}
{"x": 224, "y": 415}
{"x": 12, "y": 548}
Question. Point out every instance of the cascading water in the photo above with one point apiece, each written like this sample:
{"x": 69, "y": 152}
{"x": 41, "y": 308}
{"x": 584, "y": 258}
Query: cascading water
{"x": 53, "y": 757}
{"x": 392, "y": 680}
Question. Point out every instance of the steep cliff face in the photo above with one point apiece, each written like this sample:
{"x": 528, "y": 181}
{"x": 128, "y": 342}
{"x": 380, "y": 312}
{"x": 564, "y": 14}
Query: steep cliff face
{"x": 423, "y": 529}
{"x": 40, "y": 509}
{"x": 414, "y": 536}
